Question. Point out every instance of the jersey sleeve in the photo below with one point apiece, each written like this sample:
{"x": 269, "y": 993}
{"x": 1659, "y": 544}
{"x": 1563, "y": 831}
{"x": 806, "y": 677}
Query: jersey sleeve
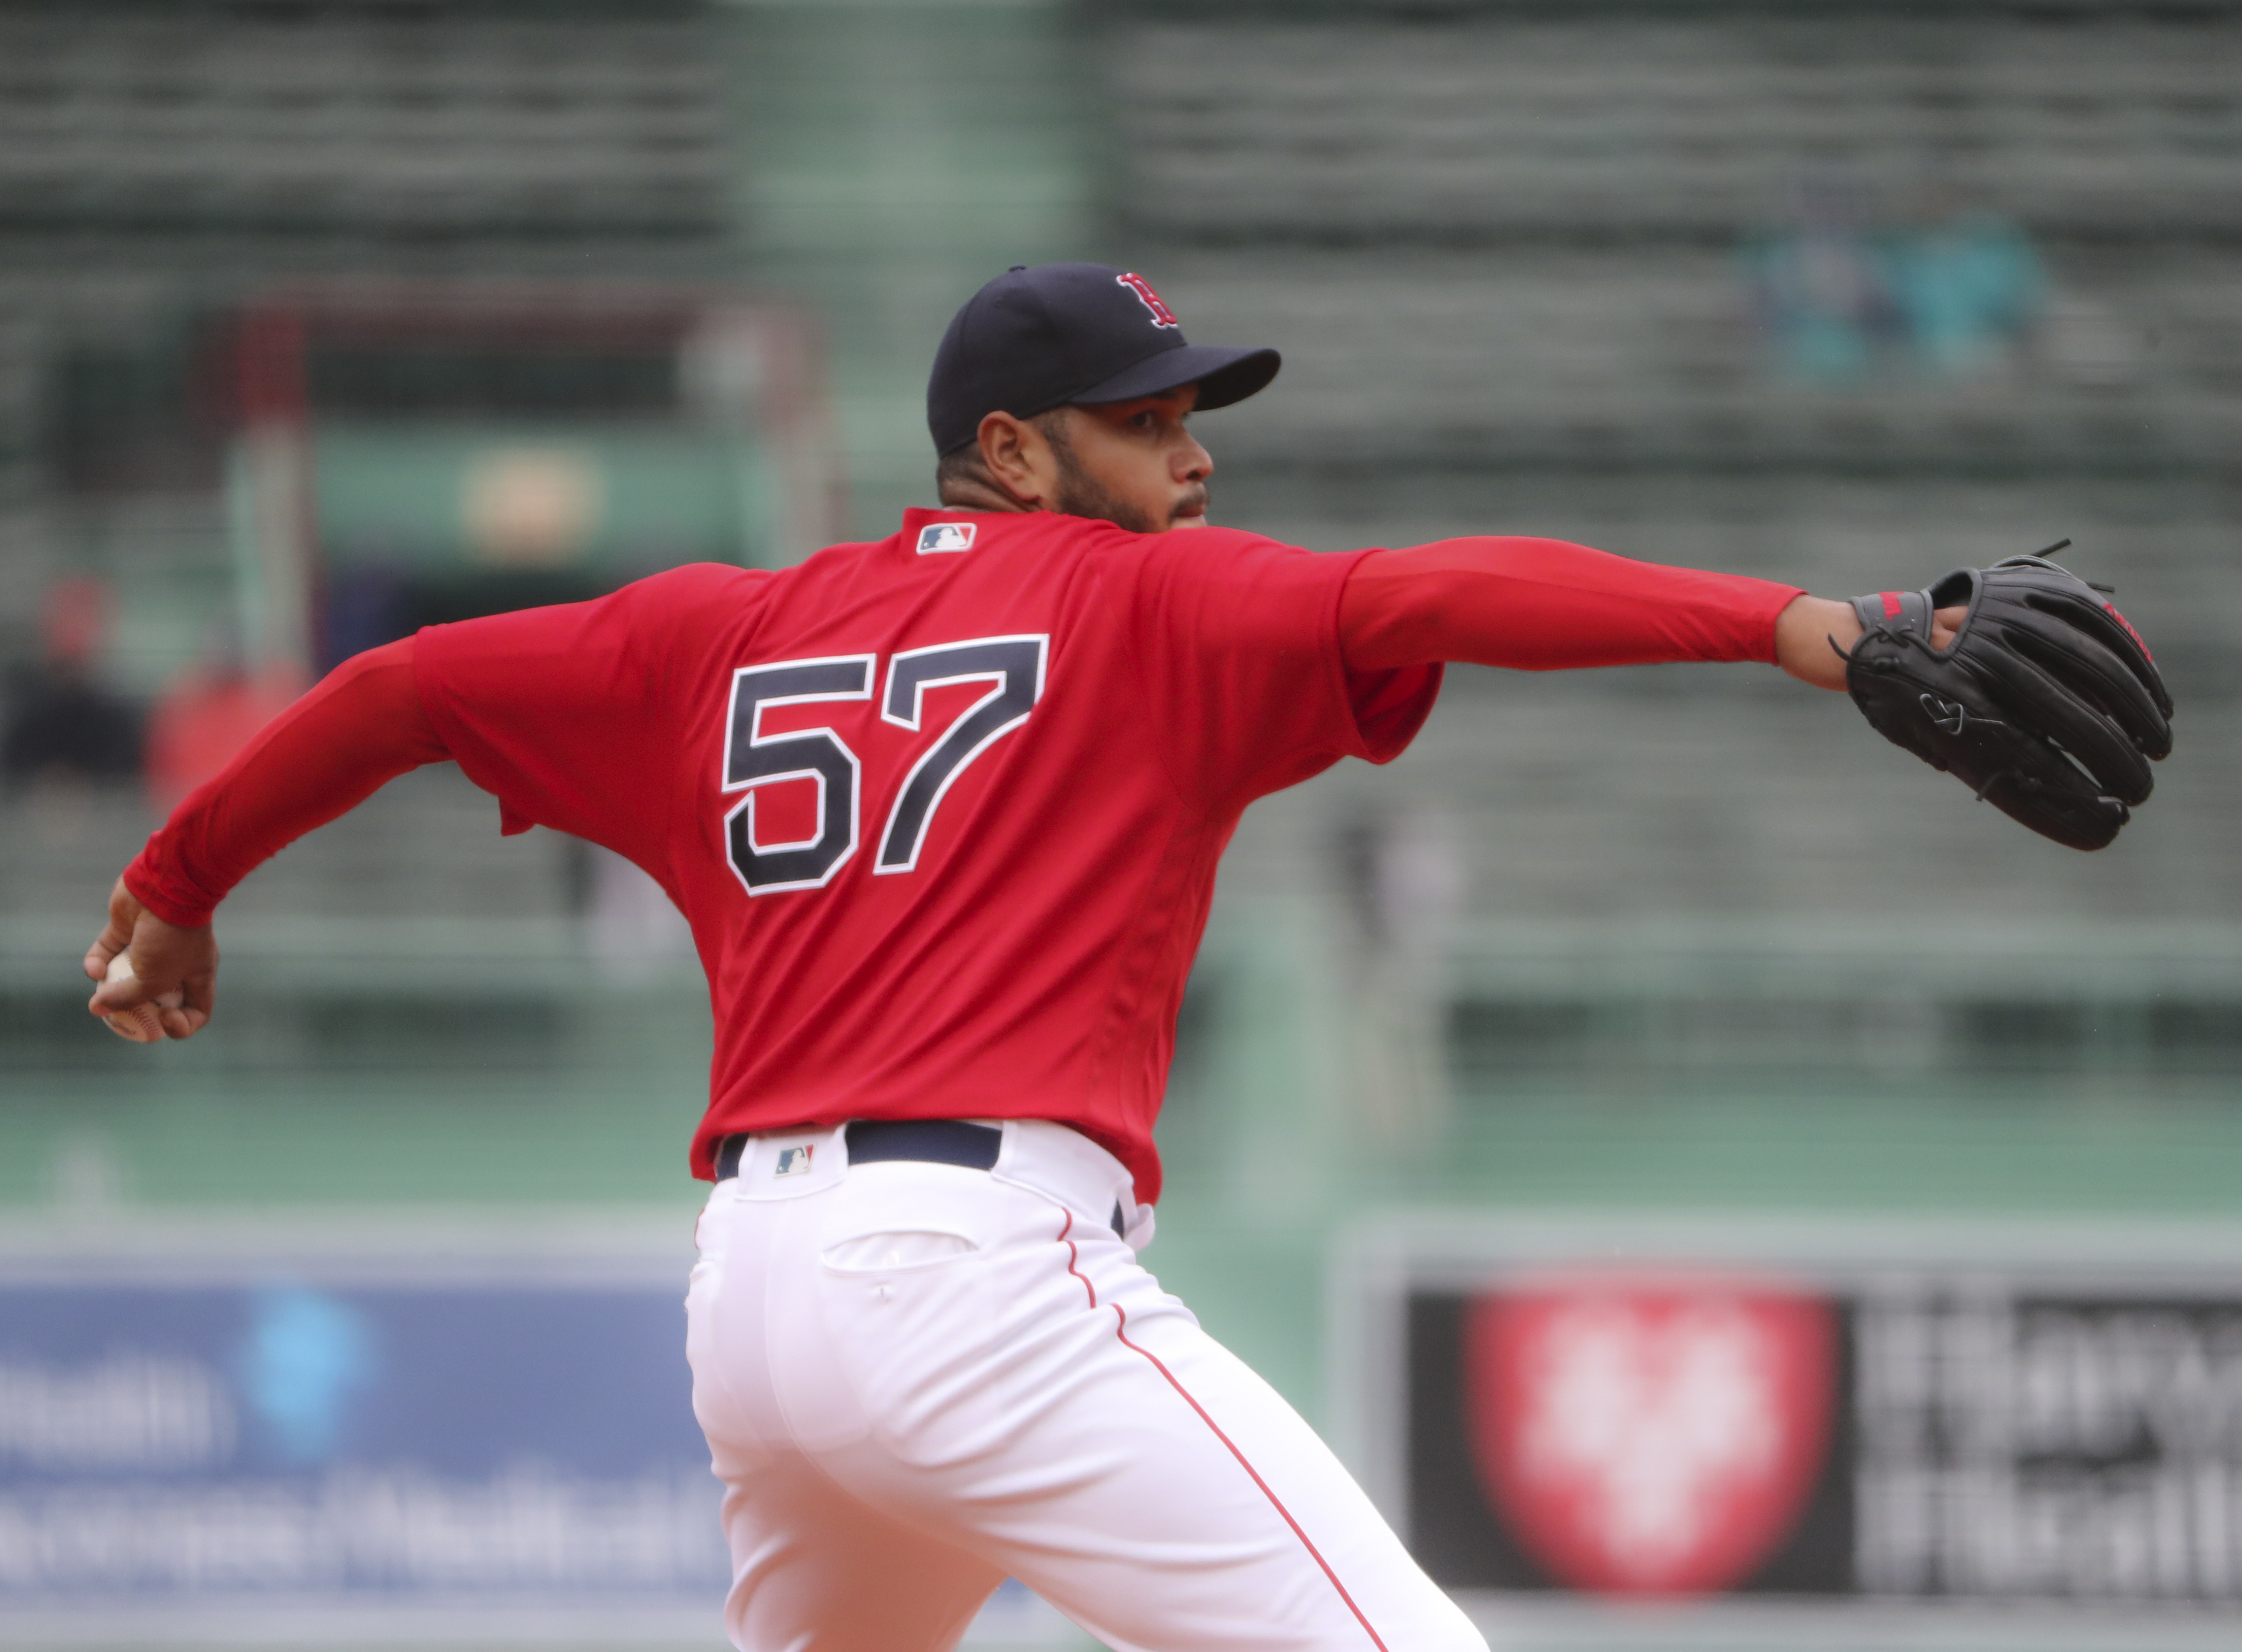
{"x": 1546, "y": 605}
{"x": 357, "y": 730}
{"x": 1238, "y": 638}
{"x": 559, "y": 712}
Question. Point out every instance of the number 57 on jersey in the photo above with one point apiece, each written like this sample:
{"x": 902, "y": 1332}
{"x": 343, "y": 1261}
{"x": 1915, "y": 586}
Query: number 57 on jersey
{"x": 1013, "y": 669}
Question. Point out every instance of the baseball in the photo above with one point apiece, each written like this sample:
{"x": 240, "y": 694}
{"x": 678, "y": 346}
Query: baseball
{"x": 140, "y": 1023}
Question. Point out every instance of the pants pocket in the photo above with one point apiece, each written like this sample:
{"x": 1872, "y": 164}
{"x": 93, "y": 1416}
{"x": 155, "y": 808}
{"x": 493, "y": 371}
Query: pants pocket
{"x": 896, "y": 1253}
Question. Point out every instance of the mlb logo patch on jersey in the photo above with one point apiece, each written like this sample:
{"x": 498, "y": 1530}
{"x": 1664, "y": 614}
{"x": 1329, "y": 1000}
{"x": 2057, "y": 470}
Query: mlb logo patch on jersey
{"x": 945, "y": 536}
{"x": 794, "y": 1161}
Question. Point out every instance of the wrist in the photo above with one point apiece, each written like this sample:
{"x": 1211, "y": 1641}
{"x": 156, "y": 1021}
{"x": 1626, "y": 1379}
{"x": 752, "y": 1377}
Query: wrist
{"x": 162, "y": 894}
{"x": 1804, "y": 632}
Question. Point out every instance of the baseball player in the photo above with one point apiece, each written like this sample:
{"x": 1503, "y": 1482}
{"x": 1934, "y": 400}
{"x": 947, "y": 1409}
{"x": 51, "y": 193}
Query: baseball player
{"x": 944, "y": 812}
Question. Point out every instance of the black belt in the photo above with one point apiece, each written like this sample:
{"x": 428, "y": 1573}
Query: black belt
{"x": 931, "y": 1141}
{"x": 927, "y": 1141}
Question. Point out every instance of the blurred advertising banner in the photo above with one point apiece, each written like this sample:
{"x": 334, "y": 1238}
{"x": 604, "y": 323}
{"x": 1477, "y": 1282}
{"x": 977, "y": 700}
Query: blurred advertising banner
{"x": 1970, "y": 1429}
{"x": 477, "y": 1432}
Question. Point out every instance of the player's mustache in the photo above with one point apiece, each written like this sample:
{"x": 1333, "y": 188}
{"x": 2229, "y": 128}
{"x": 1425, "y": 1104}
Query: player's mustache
{"x": 1193, "y": 503}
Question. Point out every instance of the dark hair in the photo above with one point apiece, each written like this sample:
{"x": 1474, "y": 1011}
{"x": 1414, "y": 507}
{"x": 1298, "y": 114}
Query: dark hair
{"x": 959, "y": 468}
{"x": 962, "y": 467}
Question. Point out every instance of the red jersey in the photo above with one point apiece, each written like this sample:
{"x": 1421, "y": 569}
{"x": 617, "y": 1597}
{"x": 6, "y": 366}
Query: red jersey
{"x": 943, "y": 811}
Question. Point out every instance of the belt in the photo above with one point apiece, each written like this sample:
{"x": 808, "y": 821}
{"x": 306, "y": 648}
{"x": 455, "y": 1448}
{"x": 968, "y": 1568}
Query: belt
{"x": 932, "y": 1141}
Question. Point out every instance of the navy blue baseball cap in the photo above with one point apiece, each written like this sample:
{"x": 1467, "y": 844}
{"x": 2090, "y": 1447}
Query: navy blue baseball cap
{"x": 1037, "y": 339}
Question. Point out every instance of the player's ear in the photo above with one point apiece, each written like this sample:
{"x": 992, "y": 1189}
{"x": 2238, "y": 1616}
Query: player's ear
{"x": 1015, "y": 456}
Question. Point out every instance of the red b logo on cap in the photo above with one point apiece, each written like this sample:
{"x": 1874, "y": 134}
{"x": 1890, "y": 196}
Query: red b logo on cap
{"x": 1162, "y": 316}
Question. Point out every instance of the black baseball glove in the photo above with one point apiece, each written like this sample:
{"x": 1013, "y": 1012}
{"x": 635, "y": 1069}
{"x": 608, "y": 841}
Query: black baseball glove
{"x": 2046, "y": 703}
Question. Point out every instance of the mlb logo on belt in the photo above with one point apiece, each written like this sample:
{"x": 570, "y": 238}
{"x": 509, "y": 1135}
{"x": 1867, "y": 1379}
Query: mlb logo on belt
{"x": 945, "y": 536}
{"x": 794, "y": 1161}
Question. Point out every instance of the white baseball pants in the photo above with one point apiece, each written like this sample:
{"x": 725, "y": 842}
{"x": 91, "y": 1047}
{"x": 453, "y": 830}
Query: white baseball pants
{"x": 916, "y": 1379}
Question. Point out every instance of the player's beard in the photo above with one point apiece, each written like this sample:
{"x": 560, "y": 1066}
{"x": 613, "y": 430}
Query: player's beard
{"x": 1082, "y": 494}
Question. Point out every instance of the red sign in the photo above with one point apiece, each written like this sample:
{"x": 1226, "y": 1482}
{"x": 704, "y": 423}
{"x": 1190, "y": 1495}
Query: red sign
{"x": 1649, "y": 1435}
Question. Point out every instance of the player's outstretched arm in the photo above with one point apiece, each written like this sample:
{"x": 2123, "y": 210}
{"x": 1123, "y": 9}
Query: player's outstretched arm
{"x": 1546, "y": 605}
{"x": 360, "y": 727}
{"x": 2020, "y": 680}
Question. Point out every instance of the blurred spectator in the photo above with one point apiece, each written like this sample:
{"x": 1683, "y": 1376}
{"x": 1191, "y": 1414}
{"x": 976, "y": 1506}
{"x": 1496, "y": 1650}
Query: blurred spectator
{"x": 1405, "y": 880}
{"x": 1968, "y": 287}
{"x": 62, "y": 723}
{"x": 207, "y": 714}
{"x": 367, "y": 605}
{"x": 1820, "y": 291}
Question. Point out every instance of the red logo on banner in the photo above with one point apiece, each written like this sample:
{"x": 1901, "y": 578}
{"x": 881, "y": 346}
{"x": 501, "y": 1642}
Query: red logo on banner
{"x": 1649, "y": 1436}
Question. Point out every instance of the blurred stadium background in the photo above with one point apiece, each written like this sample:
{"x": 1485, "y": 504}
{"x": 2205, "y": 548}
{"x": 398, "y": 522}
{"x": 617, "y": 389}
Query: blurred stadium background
{"x": 319, "y": 321}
